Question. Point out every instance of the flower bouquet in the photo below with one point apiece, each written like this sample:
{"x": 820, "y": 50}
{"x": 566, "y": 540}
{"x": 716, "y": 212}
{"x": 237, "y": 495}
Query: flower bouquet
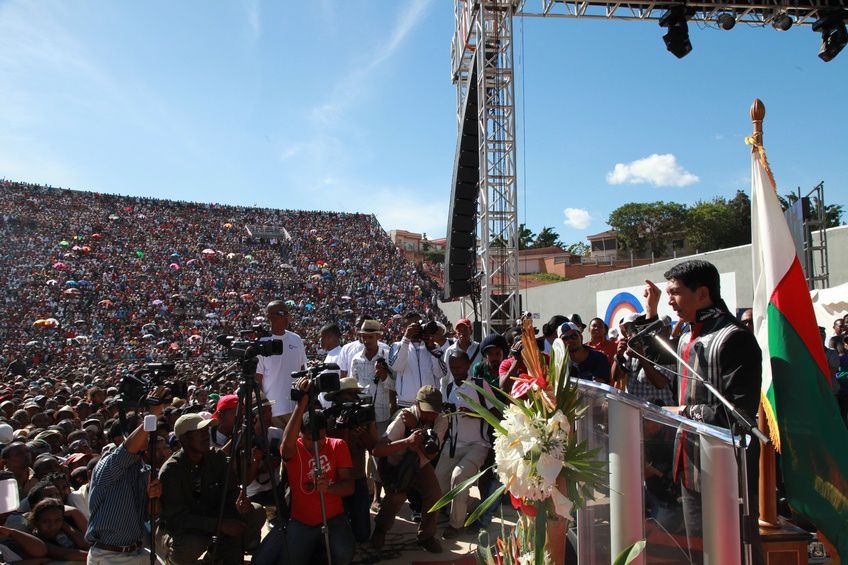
{"x": 538, "y": 460}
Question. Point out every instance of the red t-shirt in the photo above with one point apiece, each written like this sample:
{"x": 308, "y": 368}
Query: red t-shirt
{"x": 608, "y": 347}
{"x": 305, "y": 502}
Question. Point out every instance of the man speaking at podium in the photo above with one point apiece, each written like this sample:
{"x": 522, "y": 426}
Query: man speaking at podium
{"x": 727, "y": 356}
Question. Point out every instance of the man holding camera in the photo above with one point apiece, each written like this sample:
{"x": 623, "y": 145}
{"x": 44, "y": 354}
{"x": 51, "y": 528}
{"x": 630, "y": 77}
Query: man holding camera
{"x": 468, "y": 443}
{"x": 274, "y": 372}
{"x": 314, "y": 488}
{"x": 464, "y": 342}
{"x": 352, "y": 421}
{"x": 371, "y": 371}
{"x": 192, "y": 483}
{"x": 413, "y": 440}
{"x": 121, "y": 489}
{"x": 415, "y": 360}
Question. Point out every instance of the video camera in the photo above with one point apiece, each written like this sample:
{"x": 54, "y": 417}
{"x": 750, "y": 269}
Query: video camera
{"x": 349, "y": 415}
{"x": 135, "y": 388}
{"x": 323, "y": 378}
{"x": 248, "y": 349}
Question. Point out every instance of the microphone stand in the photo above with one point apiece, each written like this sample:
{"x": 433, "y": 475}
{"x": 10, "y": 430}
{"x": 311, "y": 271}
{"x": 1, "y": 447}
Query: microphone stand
{"x": 747, "y": 427}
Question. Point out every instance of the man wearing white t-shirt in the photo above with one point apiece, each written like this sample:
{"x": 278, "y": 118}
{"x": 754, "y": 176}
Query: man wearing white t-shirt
{"x": 274, "y": 373}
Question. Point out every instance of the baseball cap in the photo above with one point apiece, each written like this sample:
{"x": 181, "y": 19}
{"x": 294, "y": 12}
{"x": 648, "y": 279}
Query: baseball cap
{"x": 463, "y": 322}
{"x": 494, "y": 340}
{"x": 227, "y": 402}
{"x": 628, "y": 318}
{"x": 566, "y": 327}
{"x": 6, "y": 433}
{"x": 190, "y": 423}
{"x": 429, "y": 399}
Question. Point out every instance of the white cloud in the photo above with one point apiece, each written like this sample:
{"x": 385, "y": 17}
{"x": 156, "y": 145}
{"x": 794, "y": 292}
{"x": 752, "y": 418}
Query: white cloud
{"x": 577, "y": 218}
{"x": 658, "y": 170}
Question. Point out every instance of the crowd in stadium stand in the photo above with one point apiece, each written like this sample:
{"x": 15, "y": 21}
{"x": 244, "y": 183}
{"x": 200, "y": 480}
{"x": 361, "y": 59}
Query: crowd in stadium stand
{"x": 93, "y": 277}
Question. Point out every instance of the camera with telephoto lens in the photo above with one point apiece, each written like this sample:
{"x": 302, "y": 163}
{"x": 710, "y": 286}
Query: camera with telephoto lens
{"x": 431, "y": 442}
{"x": 349, "y": 415}
{"x": 249, "y": 349}
{"x": 322, "y": 378}
{"x": 449, "y": 408}
{"x": 135, "y": 389}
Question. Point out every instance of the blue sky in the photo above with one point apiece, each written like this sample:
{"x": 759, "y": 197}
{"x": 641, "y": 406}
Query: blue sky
{"x": 349, "y": 106}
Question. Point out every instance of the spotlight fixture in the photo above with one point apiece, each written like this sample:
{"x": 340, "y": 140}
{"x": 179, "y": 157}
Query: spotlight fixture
{"x": 677, "y": 39}
{"x": 782, "y": 22}
{"x": 726, "y": 21}
{"x": 834, "y": 35}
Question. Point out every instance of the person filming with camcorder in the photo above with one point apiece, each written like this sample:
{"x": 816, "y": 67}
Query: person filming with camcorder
{"x": 319, "y": 470}
{"x": 352, "y": 418}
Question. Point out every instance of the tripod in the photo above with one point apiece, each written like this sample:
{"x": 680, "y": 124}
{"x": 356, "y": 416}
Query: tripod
{"x": 242, "y": 443}
{"x": 315, "y": 434}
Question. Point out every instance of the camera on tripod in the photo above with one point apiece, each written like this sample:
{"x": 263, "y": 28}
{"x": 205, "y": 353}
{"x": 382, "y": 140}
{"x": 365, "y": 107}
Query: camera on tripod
{"x": 322, "y": 378}
{"x": 349, "y": 415}
{"x": 135, "y": 388}
{"x": 247, "y": 349}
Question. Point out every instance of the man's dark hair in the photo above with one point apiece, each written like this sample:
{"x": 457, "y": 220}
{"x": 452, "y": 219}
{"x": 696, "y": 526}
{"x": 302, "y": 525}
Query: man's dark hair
{"x": 460, "y": 354}
{"x": 331, "y": 329}
{"x": 37, "y": 494}
{"x": 14, "y": 445}
{"x": 695, "y": 274}
{"x": 317, "y": 417}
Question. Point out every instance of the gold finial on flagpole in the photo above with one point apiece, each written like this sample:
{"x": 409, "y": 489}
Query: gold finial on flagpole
{"x": 758, "y": 113}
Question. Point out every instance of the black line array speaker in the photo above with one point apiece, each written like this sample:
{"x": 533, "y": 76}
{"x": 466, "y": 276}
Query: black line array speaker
{"x": 460, "y": 252}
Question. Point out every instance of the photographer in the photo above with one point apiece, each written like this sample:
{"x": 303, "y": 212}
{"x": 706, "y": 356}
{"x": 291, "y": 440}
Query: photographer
{"x": 413, "y": 440}
{"x": 308, "y": 485}
{"x": 274, "y": 372}
{"x": 192, "y": 481}
{"x": 371, "y": 371}
{"x": 119, "y": 493}
{"x": 468, "y": 443}
{"x": 353, "y": 422}
{"x": 415, "y": 360}
{"x": 634, "y": 366}
{"x": 464, "y": 342}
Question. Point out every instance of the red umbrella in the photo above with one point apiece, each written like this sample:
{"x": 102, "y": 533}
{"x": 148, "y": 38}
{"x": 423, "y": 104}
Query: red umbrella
{"x": 60, "y": 266}
{"x": 106, "y": 303}
{"x": 96, "y": 236}
{"x": 174, "y": 266}
{"x": 247, "y": 297}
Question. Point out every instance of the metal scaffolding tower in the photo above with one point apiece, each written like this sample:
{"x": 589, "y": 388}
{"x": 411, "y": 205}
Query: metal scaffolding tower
{"x": 483, "y": 42}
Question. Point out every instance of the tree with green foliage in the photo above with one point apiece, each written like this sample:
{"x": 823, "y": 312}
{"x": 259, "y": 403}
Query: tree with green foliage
{"x": 648, "y": 226}
{"x": 719, "y": 223}
{"x": 581, "y": 249}
{"x": 525, "y": 237}
{"x": 546, "y": 238}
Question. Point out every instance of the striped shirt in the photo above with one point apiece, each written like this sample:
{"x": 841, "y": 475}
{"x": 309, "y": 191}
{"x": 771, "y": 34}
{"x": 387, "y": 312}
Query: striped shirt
{"x": 118, "y": 499}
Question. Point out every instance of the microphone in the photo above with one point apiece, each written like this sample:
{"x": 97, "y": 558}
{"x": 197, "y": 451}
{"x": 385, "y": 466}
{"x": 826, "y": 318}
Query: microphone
{"x": 651, "y": 328}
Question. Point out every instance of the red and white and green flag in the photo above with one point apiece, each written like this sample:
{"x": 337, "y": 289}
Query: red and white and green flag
{"x": 803, "y": 416}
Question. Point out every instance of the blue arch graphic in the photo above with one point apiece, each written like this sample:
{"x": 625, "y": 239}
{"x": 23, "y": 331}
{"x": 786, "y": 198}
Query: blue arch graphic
{"x": 621, "y": 301}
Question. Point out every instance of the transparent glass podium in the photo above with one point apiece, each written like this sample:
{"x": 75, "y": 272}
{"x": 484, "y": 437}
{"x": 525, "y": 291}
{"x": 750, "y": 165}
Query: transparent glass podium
{"x": 672, "y": 482}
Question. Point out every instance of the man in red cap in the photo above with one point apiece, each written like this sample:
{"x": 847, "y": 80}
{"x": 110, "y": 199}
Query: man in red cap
{"x": 225, "y": 415}
{"x": 465, "y": 343}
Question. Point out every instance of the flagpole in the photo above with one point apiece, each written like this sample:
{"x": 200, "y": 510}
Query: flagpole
{"x": 768, "y": 473}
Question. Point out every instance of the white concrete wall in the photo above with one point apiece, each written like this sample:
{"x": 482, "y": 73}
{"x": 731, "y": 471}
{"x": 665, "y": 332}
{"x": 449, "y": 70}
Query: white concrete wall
{"x": 579, "y": 296}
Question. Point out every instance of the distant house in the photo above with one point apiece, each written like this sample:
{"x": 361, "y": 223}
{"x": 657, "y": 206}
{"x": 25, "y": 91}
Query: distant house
{"x": 415, "y": 245}
{"x": 534, "y": 260}
{"x": 603, "y": 247}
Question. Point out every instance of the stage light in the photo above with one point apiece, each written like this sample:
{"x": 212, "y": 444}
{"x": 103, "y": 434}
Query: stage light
{"x": 782, "y": 22}
{"x": 834, "y": 35}
{"x": 677, "y": 39}
{"x": 726, "y": 21}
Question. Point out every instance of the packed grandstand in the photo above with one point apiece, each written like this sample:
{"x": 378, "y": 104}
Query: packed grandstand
{"x": 93, "y": 279}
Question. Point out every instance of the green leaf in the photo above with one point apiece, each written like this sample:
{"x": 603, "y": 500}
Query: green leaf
{"x": 485, "y": 505}
{"x": 484, "y": 413}
{"x": 630, "y": 553}
{"x": 493, "y": 399}
{"x": 540, "y": 533}
{"x": 447, "y": 498}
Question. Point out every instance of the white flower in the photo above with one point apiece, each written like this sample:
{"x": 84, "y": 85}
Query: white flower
{"x": 562, "y": 504}
{"x": 548, "y": 468}
{"x": 559, "y": 422}
{"x": 526, "y": 559}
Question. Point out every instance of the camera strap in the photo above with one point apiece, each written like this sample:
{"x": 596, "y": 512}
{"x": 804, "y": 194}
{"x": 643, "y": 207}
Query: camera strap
{"x": 479, "y": 382}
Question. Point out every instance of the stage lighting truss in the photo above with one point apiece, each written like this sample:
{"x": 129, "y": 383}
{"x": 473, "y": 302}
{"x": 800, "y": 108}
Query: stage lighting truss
{"x": 756, "y": 12}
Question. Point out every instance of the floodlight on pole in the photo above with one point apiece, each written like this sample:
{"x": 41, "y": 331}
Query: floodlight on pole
{"x": 782, "y": 22}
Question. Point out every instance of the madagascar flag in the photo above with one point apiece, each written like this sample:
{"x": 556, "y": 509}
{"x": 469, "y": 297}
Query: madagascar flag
{"x": 802, "y": 412}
